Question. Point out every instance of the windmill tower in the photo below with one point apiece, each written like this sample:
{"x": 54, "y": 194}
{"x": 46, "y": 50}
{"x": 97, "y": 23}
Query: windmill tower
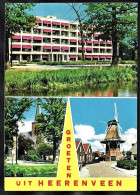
{"x": 113, "y": 139}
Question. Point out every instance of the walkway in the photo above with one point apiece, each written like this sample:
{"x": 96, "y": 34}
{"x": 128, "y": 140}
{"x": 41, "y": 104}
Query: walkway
{"x": 56, "y": 67}
{"x": 105, "y": 169}
{"x": 24, "y": 162}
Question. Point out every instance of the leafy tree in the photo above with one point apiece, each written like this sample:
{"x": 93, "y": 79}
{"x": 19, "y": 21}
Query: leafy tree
{"x": 125, "y": 51}
{"x": 44, "y": 149}
{"x": 14, "y": 110}
{"x": 81, "y": 16}
{"x": 128, "y": 154}
{"x": 16, "y": 19}
{"x": 40, "y": 139}
{"x": 24, "y": 144}
{"x": 115, "y": 19}
{"x": 52, "y": 121}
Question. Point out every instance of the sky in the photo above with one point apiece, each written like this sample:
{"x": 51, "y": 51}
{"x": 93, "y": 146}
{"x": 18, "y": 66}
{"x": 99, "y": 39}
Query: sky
{"x": 60, "y": 10}
{"x": 90, "y": 115}
{"x": 87, "y": 114}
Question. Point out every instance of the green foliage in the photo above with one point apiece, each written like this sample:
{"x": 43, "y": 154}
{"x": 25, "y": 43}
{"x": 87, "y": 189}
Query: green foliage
{"x": 128, "y": 154}
{"x": 39, "y": 139}
{"x": 30, "y": 171}
{"x": 126, "y": 52}
{"x": 43, "y": 150}
{"x": 17, "y": 17}
{"x": 24, "y": 145}
{"x": 31, "y": 156}
{"x": 52, "y": 122}
{"x": 63, "y": 79}
{"x": 14, "y": 110}
{"x": 116, "y": 19}
{"x": 126, "y": 164}
{"x": 86, "y": 62}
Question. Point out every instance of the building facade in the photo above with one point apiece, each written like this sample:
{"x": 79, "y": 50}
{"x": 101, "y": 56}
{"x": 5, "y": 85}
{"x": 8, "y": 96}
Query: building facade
{"x": 80, "y": 152}
{"x": 55, "y": 39}
{"x": 88, "y": 152}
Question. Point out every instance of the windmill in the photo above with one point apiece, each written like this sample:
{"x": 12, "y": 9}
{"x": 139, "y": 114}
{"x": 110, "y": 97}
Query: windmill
{"x": 112, "y": 139}
{"x": 116, "y": 119}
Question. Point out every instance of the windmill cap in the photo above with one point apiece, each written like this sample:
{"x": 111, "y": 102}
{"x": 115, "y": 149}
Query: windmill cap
{"x": 112, "y": 122}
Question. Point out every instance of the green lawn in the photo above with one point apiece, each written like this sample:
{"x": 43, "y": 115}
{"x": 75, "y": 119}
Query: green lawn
{"x": 49, "y": 170}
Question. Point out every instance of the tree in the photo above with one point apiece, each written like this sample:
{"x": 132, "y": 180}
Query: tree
{"x": 14, "y": 112}
{"x": 40, "y": 139}
{"x": 81, "y": 16}
{"x": 24, "y": 144}
{"x": 44, "y": 149}
{"x": 114, "y": 19}
{"x": 125, "y": 51}
{"x": 51, "y": 123}
{"x": 16, "y": 19}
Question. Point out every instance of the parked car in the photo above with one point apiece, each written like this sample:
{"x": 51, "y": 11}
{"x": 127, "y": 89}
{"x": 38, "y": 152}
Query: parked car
{"x": 37, "y": 60}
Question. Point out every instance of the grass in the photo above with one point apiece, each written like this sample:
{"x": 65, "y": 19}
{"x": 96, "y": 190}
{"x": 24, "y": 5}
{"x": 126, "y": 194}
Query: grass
{"x": 63, "y": 79}
{"x": 49, "y": 170}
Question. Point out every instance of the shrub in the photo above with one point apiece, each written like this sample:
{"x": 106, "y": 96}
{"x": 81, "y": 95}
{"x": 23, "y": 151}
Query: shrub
{"x": 126, "y": 164}
{"x": 62, "y": 79}
{"x": 30, "y": 171}
{"x": 31, "y": 156}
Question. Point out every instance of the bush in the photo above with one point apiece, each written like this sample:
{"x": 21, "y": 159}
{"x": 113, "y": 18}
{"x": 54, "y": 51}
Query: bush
{"x": 128, "y": 62}
{"x": 44, "y": 149}
{"x": 30, "y": 171}
{"x": 126, "y": 164}
{"x": 62, "y": 79}
{"x": 31, "y": 156}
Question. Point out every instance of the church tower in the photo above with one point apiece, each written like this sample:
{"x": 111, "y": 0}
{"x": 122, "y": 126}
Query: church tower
{"x": 35, "y": 123}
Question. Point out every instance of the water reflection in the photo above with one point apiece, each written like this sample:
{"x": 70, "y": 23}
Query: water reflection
{"x": 115, "y": 89}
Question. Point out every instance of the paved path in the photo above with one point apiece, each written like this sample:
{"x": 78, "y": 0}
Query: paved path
{"x": 24, "y": 162}
{"x": 105, "y": 169}
{"x": 57, "y": 67}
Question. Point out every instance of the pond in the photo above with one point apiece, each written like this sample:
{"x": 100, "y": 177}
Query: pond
{"x": 114, "y": 89}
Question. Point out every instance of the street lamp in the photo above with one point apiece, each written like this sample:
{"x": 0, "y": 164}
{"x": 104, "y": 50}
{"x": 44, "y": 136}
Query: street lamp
{"x": 13, "y": 153}
{"x": 123, "y": 56}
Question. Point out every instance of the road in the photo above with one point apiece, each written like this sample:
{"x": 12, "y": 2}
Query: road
{"x": 104, "y": 169}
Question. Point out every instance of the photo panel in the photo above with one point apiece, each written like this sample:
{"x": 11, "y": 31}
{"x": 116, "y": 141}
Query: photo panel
{"x": 71, "y": 82}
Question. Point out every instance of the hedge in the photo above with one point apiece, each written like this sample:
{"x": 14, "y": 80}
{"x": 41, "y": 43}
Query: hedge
{"x": 126, "y": 164}
{"x": 49, "y": 170}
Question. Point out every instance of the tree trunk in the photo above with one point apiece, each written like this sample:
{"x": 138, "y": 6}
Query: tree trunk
{"x": 82, "y": 42}
{"x": 11, "y": 53}
{"x": 115, "y": 56}
{"x": 7, "y": 50}
{"x": 54, "y": 149}
{"x": 114, "y": 37}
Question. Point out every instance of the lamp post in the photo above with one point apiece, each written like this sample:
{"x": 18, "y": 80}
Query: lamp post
{"x": 123, "y": 56}
{"x": 13, "y": 153}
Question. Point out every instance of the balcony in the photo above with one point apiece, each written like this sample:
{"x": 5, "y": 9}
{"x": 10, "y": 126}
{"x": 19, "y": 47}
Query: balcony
{"x": 36, "y": 31}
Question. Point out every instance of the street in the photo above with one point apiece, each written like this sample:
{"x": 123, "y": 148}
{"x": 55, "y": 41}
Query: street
{"x": 105, "y": 169}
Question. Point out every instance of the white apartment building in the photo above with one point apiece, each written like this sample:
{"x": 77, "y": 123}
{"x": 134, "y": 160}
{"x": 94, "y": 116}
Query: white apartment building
{"x": 55, "y": 39}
